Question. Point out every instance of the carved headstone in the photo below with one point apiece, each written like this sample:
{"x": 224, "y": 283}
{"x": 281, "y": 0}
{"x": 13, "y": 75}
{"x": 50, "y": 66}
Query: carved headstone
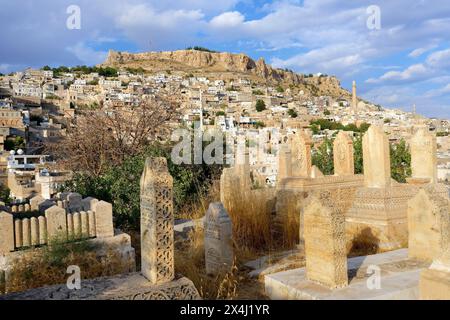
{"x": 218, "y": 239}
{"x": 343, "y": 155}
{"x": 325, "y": 244}
{"x": 157, "y": 243}
{"x": 35, "y": 201}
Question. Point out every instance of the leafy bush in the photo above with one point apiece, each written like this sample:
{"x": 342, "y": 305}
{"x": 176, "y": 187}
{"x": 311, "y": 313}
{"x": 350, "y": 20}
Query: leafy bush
{"x": 260, "y": 105}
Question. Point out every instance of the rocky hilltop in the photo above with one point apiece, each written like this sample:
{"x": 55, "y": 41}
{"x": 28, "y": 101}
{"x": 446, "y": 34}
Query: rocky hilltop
{"x": 222, "y": 62}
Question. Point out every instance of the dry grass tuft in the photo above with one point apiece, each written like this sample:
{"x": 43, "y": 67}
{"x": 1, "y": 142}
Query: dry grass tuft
{"x": 48, "y": 265}
{"x": 190, "y": 262}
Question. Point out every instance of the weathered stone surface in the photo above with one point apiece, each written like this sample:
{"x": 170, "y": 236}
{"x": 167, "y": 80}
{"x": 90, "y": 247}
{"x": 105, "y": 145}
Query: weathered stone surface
{"x": 242, "y": 164}
{"x": 218, "y": 239}
{"x": 34, "y": 231}
{"x": 344, "y": 163}
{"x": 88, "y": 203}
{"x": 425, "y": 212}
{"x": 103, "y": 219}
{"x": 123, "y": 287}
{"x": 424, "y": 155}
{"x": 91, "y": 220}
{"x": 325, "y": 245}
{"x": 84, "y": 224}
{"x": 76, "y": 225}
{"x": 26, "y": 232}
{"x": 157, "y": 243}
{"x": 284, "y": 163}
{"x": 316, "y": 173}
{"x": 300, "y": 145}
{"x": 56, "y": 223}
{"x": 35, "y": 201}
{"x": 70, "y": 228}
{"x": 74, "y": 201}
{"x": 6, "y": 232}
{"x": 377, "y": 161}
{"x": 42, "y": 230}
{"x": 18, "y": 233}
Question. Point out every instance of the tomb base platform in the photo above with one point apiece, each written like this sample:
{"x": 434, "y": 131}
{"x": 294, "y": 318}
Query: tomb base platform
{"x": 399, "y": 280}
{"x": 378, "y": 217}
{"x": 133, "y": 286}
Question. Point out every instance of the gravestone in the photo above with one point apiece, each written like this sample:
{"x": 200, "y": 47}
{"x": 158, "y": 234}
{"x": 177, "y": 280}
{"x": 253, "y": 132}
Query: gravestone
{"x": 284, "y": 163}
{"x": 56, "y": 223}
{"x": 103, "y": 219}
{"x": 325, "y": 243}
{"x": 218, "y": 239}
{"x": 377, "y": 160}
{"x": 300, "y": 145}
{"x": 157, "y": 242}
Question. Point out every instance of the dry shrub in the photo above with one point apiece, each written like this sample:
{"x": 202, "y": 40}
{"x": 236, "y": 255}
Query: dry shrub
{"x": 190, "y": 262}
{"x": 48, "y": 265}
{"x": 251, "y": 220}
{"x": 197, "y": 209}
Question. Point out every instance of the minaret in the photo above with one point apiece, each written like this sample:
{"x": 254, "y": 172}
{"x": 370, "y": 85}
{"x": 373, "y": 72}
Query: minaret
{"x": 414, "y": 109}
{"x": 354, "y": 98}
{"x": 201, "y": 111}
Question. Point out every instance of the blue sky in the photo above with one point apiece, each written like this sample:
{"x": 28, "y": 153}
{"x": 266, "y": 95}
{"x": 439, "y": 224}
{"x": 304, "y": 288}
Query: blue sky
{"x": 404, "y": 62}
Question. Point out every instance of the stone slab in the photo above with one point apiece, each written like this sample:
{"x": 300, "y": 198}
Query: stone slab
{"x": 399, "y": 280}
{"x": 133, "y": 286}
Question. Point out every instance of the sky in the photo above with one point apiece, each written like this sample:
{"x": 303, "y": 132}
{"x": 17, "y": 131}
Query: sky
{"x": 398, "y": 51}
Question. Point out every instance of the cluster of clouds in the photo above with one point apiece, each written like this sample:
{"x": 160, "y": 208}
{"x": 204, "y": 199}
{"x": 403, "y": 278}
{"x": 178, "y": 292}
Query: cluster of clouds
{"x": 406, "y": 61}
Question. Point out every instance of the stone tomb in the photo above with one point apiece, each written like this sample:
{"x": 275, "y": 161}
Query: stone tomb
{"x": 378, "y": 216}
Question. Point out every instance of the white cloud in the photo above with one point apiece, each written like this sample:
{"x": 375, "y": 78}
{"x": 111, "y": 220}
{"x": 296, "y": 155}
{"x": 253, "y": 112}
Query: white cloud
{"x": 86, "y": 54}
{"x": 227, "y": 20}
{"x": 414, "y": 72}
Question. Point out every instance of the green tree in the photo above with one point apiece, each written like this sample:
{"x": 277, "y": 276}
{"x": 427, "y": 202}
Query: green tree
{"x": 322, "y": 157}
{"x": 292, "y": 113}
{"x": 280, "y": 89}
{"x": 400, "y": 161}
{"x": 260, "y": 105}
{"x": 220, "y": 113}
{"x": 358, "y": 154}
{"x": 326, "y": 112}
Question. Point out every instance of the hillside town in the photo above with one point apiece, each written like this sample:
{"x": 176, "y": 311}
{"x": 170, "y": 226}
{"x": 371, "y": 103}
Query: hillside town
{"x": 38, "y": 105}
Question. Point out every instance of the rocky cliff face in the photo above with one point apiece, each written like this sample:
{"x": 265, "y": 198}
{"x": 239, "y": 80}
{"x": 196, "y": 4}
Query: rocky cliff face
{"x": 208, "y": 61}
{"x": 220, "y": 62}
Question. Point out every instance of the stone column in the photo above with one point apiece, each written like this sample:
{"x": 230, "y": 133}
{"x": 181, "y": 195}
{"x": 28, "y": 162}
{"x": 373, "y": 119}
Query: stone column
{"x": 42, "y": 230}
{"x": 18, "y": 233}
{"x": 84, "y": 224}
{"x": 301, "y": 154}
{"x": 344, "y": 163}
{"x": 26, "y": 232}
{"x": 103, "y": 219}
{"x": 242, "y": 164}
{"x": 218, "y": 239}
{"x": 6, "y": 232}
{"x": 56, "y": 223}
{"x": 157, "y": 243}
{"x": 424, "y": 155}
{"x": 34, "y": 231}
{"x": 377, "y": 159}
{"x": 91, "y": 218}
{"x": 76, "y": 225}
{"x": 325, "y": 244}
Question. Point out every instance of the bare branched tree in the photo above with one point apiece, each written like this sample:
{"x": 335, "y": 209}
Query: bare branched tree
{"x": 98, "y": 139}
